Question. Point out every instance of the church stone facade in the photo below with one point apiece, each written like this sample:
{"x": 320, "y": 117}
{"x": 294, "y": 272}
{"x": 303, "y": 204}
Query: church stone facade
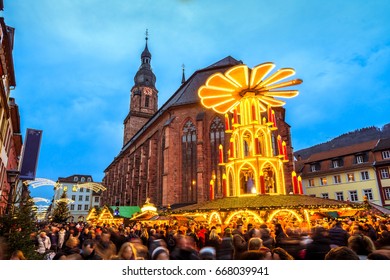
{"x": 170, "y": 154}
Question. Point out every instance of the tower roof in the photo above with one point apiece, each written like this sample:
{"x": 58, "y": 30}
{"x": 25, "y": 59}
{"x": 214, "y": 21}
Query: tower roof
{"x": 146, "y": 52}
{"x": 145, "y": 75}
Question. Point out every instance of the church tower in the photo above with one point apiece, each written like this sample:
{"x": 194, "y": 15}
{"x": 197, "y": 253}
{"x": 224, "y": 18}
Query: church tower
{"x": 143, "y": 97}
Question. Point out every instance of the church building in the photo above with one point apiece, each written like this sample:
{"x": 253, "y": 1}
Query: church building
{"x": 171, "y": 154}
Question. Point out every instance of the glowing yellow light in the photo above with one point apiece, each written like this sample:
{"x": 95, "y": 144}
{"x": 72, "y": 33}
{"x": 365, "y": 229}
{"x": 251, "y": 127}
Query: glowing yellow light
{"x": 215, "y": 215}
{"x": 284, "y": 210}
{"x": 39, "y": 182}
{"x": 247, "y": 94}
{"x": 66, "y": 200}
{"x": 307, "y": 217}
{"x": 222, "y": 92}
{"x": 246, "y": 212}
{"x": 96, "y": 187}
{"x": 149, "y": 208}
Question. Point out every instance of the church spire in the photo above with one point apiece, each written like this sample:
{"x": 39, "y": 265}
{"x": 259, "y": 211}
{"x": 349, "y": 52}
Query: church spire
{"x": 146, "y": 55}
{"x": 143, "y": 96}
{"x": 183, "y": 78}
{"x": 145, "y": 75}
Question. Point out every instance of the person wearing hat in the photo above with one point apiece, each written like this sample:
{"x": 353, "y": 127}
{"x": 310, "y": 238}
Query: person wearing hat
{"x": 207, "y": 253}
{"x": 160, "y": 253}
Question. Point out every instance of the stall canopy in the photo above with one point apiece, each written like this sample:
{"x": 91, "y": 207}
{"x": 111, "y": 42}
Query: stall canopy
{"x": 380, "y": 209}
{"x": 125, "y": 211}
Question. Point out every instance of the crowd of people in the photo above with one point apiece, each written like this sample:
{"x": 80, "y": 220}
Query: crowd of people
{"x": 347, "y": 239}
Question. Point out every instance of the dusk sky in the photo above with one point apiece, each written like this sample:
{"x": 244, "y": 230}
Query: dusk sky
{"x": 75, "y": 63}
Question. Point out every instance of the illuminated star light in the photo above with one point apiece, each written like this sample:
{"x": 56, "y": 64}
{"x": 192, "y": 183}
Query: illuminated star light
{"x": 39, "y": 182}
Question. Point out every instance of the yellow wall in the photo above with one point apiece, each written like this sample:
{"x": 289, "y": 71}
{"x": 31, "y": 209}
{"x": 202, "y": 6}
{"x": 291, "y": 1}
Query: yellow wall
{"x": 358, "y": 185}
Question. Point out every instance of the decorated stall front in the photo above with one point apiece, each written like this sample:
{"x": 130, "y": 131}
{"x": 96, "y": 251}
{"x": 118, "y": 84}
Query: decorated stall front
{"x": 103, "y": 216}
{"x": 264, "y": 209}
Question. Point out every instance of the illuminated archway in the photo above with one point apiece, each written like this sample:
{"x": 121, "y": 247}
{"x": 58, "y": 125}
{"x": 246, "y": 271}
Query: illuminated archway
{"x": 292, "y": 212}
{"x": 230, "y": 184}
{"x": 264, "y": 143}
{"x": 247, "y": 180}
{"x": 245, "y": 212}
{"x": 216, "y": 216}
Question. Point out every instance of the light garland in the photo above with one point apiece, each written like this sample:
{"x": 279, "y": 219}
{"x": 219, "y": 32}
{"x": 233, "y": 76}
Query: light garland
{"x": 295, "y": 214}
{"x": 232, "y": 214}
{"x": 215, "y": 215}
{"x": 96, "y": 187}
{"x": 39, "y": 182}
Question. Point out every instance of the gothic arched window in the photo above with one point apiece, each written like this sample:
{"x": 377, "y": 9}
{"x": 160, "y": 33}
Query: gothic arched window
{"x": 217, "y": 137}
{"x": 189, "y": 162}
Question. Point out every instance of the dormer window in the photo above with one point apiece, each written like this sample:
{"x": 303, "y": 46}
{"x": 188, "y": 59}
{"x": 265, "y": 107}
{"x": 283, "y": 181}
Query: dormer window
{"x": 386, "y": 154}
{"x": 359, "y": 159}
{"x": 89, "y": 179}
{"x": 82, "y": 179}
{"x": 75, "y": 178}
{"x": 315, "y": 167}
{"x": 338, "y": 162}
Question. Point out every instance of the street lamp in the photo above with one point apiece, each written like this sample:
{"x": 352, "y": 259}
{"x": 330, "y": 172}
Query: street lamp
{"x": 12, "y": 178}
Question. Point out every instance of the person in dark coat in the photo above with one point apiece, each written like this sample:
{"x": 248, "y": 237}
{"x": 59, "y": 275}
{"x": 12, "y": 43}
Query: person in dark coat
{"x": 53, "y": 235}
{"x": 320, "y": 246}
{"x": 280, "y": 235}
{"x": 239, "y": 242}
{"x": 185, "y": 249}
{"x": 226, "y": 249}
{"x": 248, "y": 233}
{"x": 338, "y": 236}
{"x": 369, "y": 230}
{"x": 84, "y": 235}
{"x": 88, "y": 250}
{"x": 268, "y": 240}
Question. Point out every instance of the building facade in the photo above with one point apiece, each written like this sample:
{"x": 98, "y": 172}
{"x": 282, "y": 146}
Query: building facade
{"x": 80, "y": 199}
{"x": 345, "y": 174}
{"x": 382, "y": 169}
{"x": 171, "y": 154}
{"x": 10, "y": 135}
